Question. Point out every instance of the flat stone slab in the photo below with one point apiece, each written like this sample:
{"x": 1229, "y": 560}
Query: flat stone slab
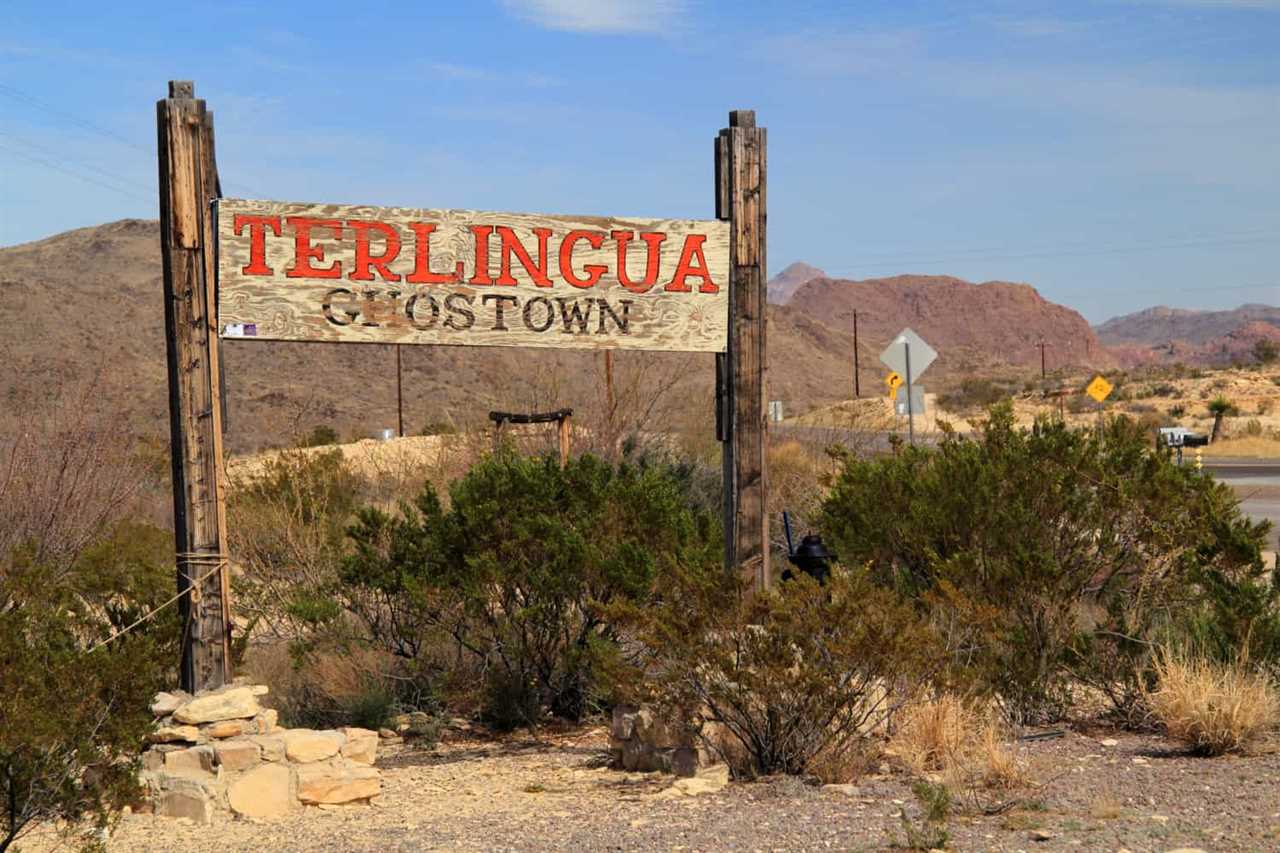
{"x": 231, "y": 703}
{"x": 264, "y": 792}
{"x": 337, "y": 783}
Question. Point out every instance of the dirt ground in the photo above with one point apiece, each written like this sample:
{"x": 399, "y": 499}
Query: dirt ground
{"x": 554, "y": 792}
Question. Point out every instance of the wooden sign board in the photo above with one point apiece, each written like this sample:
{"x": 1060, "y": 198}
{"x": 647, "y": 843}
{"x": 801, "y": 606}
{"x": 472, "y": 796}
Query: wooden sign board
{"x": 341, "y": 273}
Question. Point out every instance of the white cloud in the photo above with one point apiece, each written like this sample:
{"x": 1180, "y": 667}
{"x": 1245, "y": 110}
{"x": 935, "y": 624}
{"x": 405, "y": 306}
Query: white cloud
{"x": 474, "y": 74}
{"x": 600, "y": 16}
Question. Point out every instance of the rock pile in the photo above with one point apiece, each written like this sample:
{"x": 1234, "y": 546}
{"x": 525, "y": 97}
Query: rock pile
{"x": 641, "y": 740}
{"x": 221, "y": 750}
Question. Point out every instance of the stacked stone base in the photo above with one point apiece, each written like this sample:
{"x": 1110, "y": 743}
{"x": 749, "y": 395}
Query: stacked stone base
{"x": 220, "y": 751}
{"x": 641, "y": 739}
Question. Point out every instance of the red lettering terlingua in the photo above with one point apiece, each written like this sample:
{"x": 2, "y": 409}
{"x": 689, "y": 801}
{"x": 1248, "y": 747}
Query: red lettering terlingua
{"x": 258, "y": 226}
{"x": 304, "y": 252}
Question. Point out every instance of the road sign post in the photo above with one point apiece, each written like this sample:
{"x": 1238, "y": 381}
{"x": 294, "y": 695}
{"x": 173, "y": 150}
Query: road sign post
{"x": 911, "y": 415}
{"x": 898, "y": 358}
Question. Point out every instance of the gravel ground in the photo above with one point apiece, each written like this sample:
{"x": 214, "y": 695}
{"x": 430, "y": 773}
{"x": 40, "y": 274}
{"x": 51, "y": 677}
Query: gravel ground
{"x": 555, "y": 793}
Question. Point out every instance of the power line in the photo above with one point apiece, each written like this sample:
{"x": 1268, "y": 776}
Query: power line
{"x": 50, "y": 165}
{"x": 84, "y": 124}
{"x": 19, "y": 95}
{"x": 111, "y": 176}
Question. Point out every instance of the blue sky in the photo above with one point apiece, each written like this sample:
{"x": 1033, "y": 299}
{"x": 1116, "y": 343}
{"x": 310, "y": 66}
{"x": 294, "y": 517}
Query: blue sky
{"x": 1113, "y": 154}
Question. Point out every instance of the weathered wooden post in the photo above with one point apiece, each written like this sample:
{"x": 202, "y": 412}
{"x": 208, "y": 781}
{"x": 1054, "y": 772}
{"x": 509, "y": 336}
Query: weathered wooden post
{"x": 188, "y": 183}
{"x": 740, "y": 199}
{"x": 564, "y": 431}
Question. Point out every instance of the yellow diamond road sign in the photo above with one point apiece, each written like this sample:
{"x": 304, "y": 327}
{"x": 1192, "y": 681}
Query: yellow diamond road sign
{"x": 893, "y": 380}
{"x": 1098, "y": 389}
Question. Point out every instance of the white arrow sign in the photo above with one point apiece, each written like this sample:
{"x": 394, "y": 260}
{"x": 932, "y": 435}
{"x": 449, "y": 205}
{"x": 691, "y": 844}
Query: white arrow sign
{"x": 896, "y": 355}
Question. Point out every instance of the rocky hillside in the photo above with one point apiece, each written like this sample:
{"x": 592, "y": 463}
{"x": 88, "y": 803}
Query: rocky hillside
{"x": 1160, "y": 325}
{"x": 89, "y": 302}
{"x": 1163, "y": 334}
{"x": 784, "y": 285}
{"x": 974, "y": 327}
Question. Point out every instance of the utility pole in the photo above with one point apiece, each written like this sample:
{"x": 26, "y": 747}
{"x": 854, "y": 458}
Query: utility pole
{"x": 857, "y": 374}
{"x": 1043, "y": 373}
{"x": 399, "y": 394}
{"x": 188, "y": 185}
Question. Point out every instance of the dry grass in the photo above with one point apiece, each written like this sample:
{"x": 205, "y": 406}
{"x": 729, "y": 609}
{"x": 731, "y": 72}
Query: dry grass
{"x": 1212, "y": 708}
{"x": 837, "y": 767}
{"x": 321, "y": 684}
{"x": 1106, "y": 806}
{"x": 959, "y": 741}
{"x": 1252, "y": 445}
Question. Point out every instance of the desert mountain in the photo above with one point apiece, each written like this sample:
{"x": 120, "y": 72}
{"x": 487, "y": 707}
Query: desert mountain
{"x": 1160, "y": 325}
{"x": 90, "y": 301}
{"x": 784, "y": 285}
{"x": 1194, "y": 337}
{"x": 974, "y": 327}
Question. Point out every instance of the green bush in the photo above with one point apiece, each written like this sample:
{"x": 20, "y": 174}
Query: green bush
{"x": 521, "y": 571}
{"x": 972, "y": 394}
{"x": 71, "y": 716}
{"x": 799, "y": 673}
{"x": 287, "y": 527}
{"x": 319, "y": 436}
{"x": 438, "y": 428}
{"x": 1053, "y": 556}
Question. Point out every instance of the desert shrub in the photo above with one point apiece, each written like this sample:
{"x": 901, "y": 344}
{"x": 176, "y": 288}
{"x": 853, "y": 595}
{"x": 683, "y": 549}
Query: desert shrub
{"x": 1159, "y": 389}
{"x": 1008, "y": 540}
{"x": 1078, "y": 403}
{"x": 438, "y": 428}
{"x": 928, "y": 831}
{"x": 319, "y": 436}
{"x": 1210, "y": 706}
{"x": 70, "y": 720}
{"x": 76, "y": 566}
{"x": 972, "y": 394}
{"x": 1177, "y": 411}
{"x": 330, "y": 687}
{"x": 72, "y": 716}
{"x": 287, "y": 527}
{"x": 1253, "y": 427}
{"x": 1265, "y": 351}
{"x": 521, "y": 571}
{"x": 799, "y": 674}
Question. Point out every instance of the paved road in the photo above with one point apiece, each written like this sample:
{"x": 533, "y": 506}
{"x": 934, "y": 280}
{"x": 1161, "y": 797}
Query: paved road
{"x": 1257, "y": 481}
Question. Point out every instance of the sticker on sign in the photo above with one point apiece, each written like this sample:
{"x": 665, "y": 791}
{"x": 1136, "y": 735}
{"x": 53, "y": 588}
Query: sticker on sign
{"x": 1099, "y": 388}
{"x": 916, "y": 401}
{"x": 906, "y": 347}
